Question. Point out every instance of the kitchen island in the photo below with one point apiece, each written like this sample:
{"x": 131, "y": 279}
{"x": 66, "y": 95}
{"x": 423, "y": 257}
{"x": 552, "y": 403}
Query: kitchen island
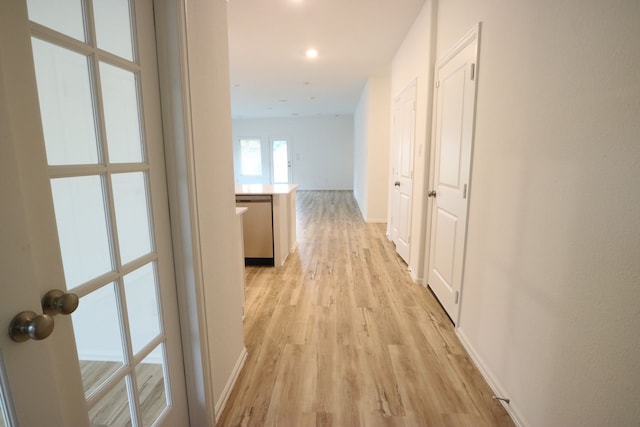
{"x": 282, "y": 198}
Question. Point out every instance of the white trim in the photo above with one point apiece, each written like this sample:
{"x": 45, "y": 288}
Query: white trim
{"x": 467, "y": 39}
{"x": 377, "y": 221}
{"x": 491, "y": 379}
{"x": 176, "y": 101}
{"x": 428, "y": 149}
{"x": 473, "y": 36}
{"x": 226, "y": 392}
{"x": 413, "y": 276}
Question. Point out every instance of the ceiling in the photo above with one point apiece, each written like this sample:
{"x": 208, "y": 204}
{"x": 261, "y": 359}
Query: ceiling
{"x": 270, "y": 75}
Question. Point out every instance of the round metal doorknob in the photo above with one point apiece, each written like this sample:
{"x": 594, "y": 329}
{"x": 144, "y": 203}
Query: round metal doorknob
{"x": 59, "y": 302}
{"x": 431, "y": 194}
{"x": 29, "y": 325}
{"x": 397, "y": 183}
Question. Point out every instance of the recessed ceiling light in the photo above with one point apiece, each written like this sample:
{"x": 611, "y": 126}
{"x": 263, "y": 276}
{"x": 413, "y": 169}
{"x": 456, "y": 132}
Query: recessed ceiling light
{"x": 311, "y": 53}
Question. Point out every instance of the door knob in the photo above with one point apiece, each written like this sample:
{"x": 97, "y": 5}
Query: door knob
{"x": 58, "y": 302}
{"x": 29, "y": 325}
{"x": 431, "y": 193}
{"x": 397, "y": 183}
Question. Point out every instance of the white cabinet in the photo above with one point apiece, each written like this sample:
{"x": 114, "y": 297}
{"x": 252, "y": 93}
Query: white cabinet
{"x": 239, "y": 214}
{"x": 283, "y": 214}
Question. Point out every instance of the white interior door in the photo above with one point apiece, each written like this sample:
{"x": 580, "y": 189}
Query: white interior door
{"x": 84, "y": 210}
{"x": 454, "y": 121}
{"x": 402, "y": 171}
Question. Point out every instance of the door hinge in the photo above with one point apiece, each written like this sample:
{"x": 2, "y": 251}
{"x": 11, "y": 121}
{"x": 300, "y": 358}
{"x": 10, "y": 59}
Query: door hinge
{"x": 457, "y": 297}
{"x": 437, "y": 83}
{"x": 473, "y": 71}
{"x": 464, "y": 192}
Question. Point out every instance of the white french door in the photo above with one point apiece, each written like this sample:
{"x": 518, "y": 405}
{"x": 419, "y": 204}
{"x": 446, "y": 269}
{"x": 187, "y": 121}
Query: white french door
{"x": 280, "y": 161}
{"x": 262, "y": 161}
{"x": 84, "y": 210}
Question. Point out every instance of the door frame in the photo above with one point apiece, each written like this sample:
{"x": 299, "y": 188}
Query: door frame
{"x": 194, "y": 91}
{"x": 173, "y": 68}
{"x": 473, "y": 35}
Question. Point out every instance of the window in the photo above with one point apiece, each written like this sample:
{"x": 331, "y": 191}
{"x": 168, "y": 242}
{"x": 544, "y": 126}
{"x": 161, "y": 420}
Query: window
{"x": 280, "y": 161}
{"x": 250, "y": 157}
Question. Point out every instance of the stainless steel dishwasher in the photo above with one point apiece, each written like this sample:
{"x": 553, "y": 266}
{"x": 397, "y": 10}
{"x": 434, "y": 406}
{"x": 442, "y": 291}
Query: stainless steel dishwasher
{"x": 257, "y": 225}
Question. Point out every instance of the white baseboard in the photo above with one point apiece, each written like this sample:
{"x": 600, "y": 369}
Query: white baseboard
{"x": 376, "y": 221}
{"x": 220, "y": 404}
{"x": 415, "y": 278}
{"x": 494, "y": 384}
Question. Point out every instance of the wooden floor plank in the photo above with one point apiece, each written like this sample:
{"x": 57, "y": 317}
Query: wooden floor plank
{"x": 341, "y": 336}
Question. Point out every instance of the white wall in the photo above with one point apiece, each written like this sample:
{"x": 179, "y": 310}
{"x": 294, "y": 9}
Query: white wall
{"x": 552, "y": 278}
{"x": 211, "y": 127}
{"x": 371, "y": 149}
{"x": 322, "y": 148}
{"x": 194, "y": 73}
{"x": 414, "y": 61}
{"x": 361, "y": 152}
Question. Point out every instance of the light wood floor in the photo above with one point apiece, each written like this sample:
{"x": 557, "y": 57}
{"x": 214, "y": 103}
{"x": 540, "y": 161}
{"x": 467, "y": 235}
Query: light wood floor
{"x": 341, "y": 336}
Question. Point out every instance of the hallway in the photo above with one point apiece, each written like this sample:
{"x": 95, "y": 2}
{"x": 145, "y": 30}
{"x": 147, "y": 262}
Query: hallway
{"x": 341, "y": 336}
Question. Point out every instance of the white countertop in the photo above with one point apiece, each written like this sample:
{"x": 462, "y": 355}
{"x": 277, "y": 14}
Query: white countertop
{"x": 265, "y": 189}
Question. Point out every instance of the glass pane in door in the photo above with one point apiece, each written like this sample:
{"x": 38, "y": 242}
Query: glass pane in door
{"x": 142, "y": 306}
{"x": 82, "y": 228}
{"x": 64, "y": 16}
{"x": 97, "y": 329}
{"x": 121, "y": 114}
{"x": 132, "y": 215}
{"x": 113, "y": 27}
{"x": 66, "y": 104}
{"x": 113, "y": 410}
{"x": 151, "y": 386}
{"x": 280, "y": 156}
